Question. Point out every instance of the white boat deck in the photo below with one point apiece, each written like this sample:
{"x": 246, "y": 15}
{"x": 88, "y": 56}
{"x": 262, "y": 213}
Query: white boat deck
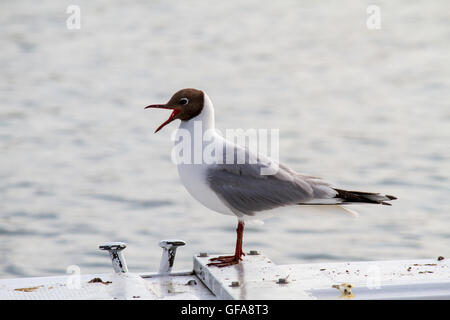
{"x": 255, "y": 278}
{"x": 259, "y": 278}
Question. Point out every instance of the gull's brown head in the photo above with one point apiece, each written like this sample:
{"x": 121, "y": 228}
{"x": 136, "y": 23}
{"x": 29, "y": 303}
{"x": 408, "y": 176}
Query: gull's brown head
{"x": 186, "y": 104}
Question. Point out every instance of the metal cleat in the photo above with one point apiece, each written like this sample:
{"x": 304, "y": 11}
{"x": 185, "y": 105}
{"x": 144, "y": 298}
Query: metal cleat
{"x": 168, "y": 255}
{"x": 117, "y": 258}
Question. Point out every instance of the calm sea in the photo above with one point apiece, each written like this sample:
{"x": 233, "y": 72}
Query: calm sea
{"x": 79, "y": 163}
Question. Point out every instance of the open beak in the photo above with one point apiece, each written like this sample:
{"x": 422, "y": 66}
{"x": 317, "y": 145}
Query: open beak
{"x": 163, "y": 106}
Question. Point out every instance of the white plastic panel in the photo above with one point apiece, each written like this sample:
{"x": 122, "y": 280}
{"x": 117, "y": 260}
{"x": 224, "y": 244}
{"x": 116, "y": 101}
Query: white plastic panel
{"x": 259, "y": 278}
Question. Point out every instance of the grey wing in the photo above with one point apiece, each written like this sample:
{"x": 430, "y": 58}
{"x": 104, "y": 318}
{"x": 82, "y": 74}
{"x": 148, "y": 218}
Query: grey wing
{"x": 246, "y": 191}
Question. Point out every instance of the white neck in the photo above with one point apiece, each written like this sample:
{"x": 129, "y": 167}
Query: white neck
{"x": 206, "y": 117}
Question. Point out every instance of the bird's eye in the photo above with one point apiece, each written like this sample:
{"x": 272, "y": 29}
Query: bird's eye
{"x": 184, "y": 101}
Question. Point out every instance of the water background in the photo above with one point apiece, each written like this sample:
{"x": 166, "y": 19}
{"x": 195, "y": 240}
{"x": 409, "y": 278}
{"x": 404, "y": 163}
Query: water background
{"x": 80, "y": 165}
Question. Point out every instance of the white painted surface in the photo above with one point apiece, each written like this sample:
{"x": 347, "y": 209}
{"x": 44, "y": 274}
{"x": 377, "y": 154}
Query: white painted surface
{"x": 258, "y": 277}
{"x": 124, "y": 286}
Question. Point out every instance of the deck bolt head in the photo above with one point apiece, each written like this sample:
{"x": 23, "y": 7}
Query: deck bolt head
{"x": 235, "y": 284}
{"x": 253, "y": 253}
{"x": 282, "y": 281}
{"x": 203, "y": 254}
{"x": 191, "y": 282}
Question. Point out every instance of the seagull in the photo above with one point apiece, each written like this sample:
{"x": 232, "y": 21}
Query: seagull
{"x": 241, "y": 188}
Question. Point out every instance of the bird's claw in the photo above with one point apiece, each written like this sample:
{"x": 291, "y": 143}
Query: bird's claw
{"x": 225, "y": 261}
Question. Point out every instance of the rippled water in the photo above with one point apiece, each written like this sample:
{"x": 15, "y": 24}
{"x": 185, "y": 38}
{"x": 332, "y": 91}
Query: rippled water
{"x": 80, "y": 165}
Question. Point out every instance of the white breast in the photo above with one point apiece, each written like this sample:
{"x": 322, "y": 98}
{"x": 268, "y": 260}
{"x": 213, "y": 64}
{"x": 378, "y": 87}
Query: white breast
{"x": 193, "y": 177}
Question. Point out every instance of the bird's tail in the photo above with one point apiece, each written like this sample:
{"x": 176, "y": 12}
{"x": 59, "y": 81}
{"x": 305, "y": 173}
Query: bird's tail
{"x": 348, "y": 197}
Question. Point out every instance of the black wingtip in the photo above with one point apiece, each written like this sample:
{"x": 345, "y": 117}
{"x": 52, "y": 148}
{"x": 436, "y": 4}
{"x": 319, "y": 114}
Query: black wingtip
{"x": 363, "y": 197}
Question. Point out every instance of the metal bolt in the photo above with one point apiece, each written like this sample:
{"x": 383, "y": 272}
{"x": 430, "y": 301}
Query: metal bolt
{"x": 168, "y": 255}
{"x": 282, "y": 281}
{"x": 253, "y": 253}
{"x": 117, "y": 258}
{"x": 203, "y": 254}
{"x": 191, "y": 282}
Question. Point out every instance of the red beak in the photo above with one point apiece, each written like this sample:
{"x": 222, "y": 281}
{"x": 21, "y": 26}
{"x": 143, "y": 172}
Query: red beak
{"x": 163, "y": 106}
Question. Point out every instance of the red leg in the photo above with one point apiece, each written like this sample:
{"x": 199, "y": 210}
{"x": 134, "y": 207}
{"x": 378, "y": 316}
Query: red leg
{"x": 224, "y": 261}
